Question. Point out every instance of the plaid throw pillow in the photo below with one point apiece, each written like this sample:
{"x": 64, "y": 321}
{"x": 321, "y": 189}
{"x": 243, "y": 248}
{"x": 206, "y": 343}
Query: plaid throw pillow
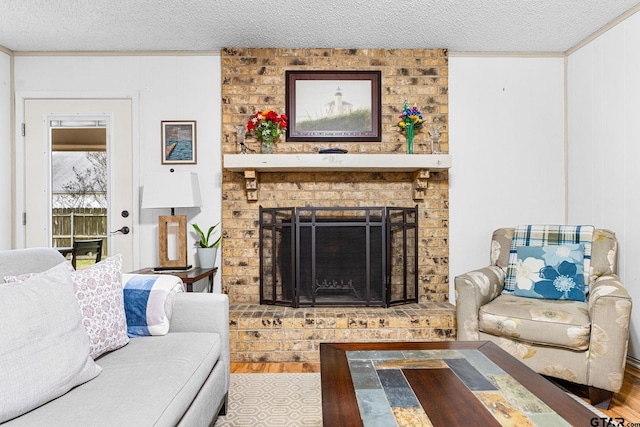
{"x": 541, "y": 235}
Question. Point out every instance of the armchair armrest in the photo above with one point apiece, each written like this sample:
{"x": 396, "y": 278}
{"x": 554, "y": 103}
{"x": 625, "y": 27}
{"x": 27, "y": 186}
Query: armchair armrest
{"x": 609, "y": 310}
{"x": 473, "y": 290}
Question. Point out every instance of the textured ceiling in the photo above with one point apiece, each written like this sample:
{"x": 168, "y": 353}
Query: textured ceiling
{"x": 161, "y": 25}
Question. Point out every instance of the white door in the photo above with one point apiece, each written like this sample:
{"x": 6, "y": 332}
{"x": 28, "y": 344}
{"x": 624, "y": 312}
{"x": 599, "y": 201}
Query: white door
{"x": 116, "y": 115}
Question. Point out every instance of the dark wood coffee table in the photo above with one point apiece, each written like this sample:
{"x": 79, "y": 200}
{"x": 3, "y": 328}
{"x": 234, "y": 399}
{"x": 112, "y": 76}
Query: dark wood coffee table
{"x": 444, "y": 379}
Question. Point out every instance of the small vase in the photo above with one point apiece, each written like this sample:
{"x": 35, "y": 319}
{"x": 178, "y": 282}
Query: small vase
{"x": 411, "y": 132}
{"x": 435, "y": 145}
{"x": 434, "y": 131}
{"x": 267, "y": 143}
{"x": 266, "y": 148}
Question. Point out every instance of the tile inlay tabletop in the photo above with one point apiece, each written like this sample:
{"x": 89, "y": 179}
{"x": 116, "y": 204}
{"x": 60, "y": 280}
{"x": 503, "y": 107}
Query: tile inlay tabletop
{"x": 438, "y": 384}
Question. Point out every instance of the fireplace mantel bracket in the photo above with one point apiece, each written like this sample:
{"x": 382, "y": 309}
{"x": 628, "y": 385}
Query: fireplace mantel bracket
{"x": 420, "y": 165}
{"x": 251, "y": 184}
{"x": 420, "y": 178}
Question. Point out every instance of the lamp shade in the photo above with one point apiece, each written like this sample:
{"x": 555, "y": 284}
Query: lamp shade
{"x": 171, "y": 190}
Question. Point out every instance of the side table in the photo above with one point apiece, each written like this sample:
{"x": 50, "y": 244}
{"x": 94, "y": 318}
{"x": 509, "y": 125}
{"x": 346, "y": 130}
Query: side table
{"x": 188, "y": 277}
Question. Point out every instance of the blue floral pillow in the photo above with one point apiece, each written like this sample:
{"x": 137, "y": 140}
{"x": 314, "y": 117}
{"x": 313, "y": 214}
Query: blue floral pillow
{"x": 551, "y": 272}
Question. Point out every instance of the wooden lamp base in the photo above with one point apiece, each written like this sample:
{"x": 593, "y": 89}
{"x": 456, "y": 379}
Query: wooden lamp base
{"x": 172, "y": 236}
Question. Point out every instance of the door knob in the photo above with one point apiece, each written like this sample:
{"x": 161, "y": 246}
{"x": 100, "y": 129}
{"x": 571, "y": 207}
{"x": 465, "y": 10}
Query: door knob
{"x": 123, "y": 230}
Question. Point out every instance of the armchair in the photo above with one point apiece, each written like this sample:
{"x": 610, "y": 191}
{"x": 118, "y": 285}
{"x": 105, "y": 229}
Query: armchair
{"x": 582, "y": 342}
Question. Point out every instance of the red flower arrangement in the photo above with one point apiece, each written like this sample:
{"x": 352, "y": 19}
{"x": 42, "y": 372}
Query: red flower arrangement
{"x": 267, "y": 125}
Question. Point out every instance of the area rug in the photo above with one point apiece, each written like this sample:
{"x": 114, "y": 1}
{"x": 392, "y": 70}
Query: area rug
{"x": 292, "y": 400}
{"x": 273, "y": 400}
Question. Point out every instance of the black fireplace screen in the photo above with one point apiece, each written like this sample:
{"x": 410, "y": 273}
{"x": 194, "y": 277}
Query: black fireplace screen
{"x": 338, "y": 256}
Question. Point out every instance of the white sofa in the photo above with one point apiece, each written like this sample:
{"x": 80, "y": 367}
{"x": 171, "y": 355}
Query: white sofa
{"x": 181, "y": 378}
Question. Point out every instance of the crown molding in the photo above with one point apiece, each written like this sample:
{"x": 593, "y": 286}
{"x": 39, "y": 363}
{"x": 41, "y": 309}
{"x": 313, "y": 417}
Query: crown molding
{"x": 6, "y": 50}
{"x": 508, "y": 54}
{"x": 120, "y": 53}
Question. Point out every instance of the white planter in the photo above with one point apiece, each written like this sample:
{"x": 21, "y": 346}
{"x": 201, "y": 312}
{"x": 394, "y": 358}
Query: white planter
{"x": 207, "y": 257}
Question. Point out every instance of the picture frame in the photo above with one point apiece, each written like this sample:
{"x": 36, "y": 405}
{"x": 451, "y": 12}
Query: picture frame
{"x": 337, "y": 106}
{"x": 178, "y": 142}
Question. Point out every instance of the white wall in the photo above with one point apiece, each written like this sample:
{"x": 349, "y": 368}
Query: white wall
{"x": 168, "y": 88}
{"x": 506, "y": 133}
{"x": 5, "y": 147}
{"x": 604, "y": 147}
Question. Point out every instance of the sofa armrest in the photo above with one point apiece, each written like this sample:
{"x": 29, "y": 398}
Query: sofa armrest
{"x": 202, "y": 312}
{"x": 610, "y": 311}
{"x": 473, "y": 290}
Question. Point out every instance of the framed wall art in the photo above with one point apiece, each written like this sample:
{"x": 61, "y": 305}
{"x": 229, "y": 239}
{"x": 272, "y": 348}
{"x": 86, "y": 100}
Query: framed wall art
{"x": 338, "y": 106}
{"x": 178, "y": 142}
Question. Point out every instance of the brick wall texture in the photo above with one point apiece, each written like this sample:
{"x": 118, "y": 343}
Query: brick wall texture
{"x": 254, "y": 80}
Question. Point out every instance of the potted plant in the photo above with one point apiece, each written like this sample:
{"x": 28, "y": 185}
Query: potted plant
{"x": 207, "y": 251}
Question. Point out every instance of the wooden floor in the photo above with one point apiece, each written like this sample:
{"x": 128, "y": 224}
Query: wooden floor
{"x": 626, "y": 403}
{"x": 275, "y": 368}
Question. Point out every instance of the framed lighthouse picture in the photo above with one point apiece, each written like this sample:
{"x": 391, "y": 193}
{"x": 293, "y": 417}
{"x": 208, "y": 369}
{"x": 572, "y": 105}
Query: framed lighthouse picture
{"x": 339, "y": 106}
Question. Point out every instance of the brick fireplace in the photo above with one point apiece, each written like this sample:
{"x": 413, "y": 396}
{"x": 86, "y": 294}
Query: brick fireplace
{"x": 252, "y": 80}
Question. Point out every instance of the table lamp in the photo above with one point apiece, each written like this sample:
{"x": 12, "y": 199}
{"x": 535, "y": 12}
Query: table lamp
{"x": 172, "y": 190}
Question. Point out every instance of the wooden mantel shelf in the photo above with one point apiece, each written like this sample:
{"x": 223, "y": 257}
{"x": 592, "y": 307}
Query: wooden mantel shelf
{"x": 419, "y": 164}
{"x": 336, "y": 162}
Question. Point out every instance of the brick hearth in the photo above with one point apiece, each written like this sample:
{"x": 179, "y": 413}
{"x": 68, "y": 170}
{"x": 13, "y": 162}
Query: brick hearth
{"x": 261, "y": 333}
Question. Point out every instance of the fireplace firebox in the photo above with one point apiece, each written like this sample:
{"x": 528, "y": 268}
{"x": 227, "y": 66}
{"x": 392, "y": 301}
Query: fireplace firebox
{"x": 317, "y": 256}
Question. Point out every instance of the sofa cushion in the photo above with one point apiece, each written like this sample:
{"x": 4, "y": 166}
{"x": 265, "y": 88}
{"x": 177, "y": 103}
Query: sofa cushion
{"x": 148, "y": 302}
{"x": 150, "y": 381}
{"x": 551, "y": 272}
{"x": 45, "y": 349}
{"x": 558, "y": 323}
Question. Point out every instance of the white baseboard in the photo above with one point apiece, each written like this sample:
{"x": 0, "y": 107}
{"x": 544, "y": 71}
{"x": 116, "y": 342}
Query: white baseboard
{"x": 633, "y": 362}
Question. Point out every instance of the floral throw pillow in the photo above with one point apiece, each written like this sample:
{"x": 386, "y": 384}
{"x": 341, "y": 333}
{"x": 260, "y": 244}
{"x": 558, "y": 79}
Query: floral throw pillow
{"x": 551, "y": 272}
{"x": 99, "y": 292}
